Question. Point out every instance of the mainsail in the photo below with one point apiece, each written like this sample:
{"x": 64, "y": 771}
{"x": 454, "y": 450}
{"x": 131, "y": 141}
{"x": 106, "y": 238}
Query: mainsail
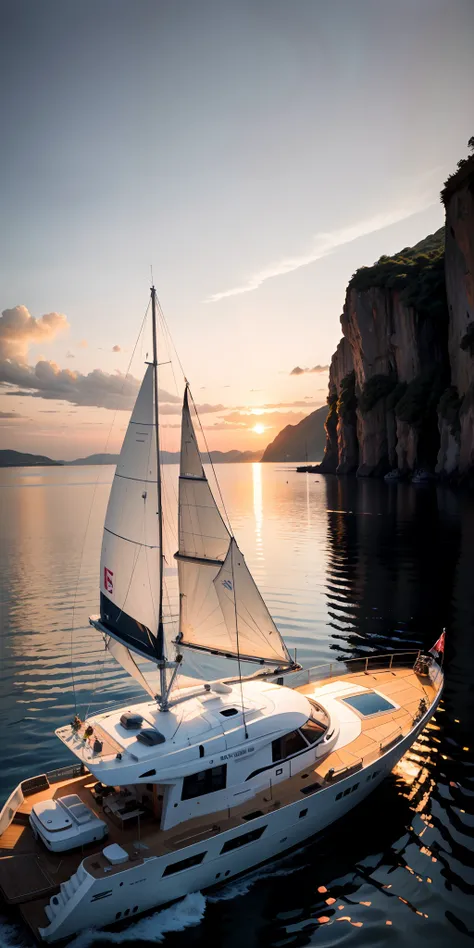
{"x": 221, "y": 609}
{"x": 130, "y": 560}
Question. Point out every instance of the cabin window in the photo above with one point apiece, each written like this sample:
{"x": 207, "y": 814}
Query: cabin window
{"x": 242, "y": 840}
{"x": 229, "y": 712}
{"x": 206, "y": 781}
{"x": 184, "y": 864}
{"x": 288, "y": 745}
{"x": 313, "y": 731}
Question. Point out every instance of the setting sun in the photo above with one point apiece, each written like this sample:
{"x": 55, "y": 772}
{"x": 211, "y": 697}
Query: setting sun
{"x": 259, "y": 429}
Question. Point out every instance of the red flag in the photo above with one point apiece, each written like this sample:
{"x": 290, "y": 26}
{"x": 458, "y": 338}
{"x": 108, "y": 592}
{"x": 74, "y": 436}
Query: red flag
{"x": 439, "y": 645}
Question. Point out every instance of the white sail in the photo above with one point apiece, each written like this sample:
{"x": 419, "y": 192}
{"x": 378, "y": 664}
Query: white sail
{"x": 204, "y": 549}
{"x": 130, "y": 559}
{"x": 124, "y": 657}
{"x": 247, "y": 618}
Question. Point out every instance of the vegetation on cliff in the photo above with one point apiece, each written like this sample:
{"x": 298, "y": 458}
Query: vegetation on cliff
{"x": 347, "y": 401}
{"x": 449, "y": 406}
{"x": 375, "y": 388}
{"x": 421, "y": 398}
{"x": 467, "y": 341}
{"x": 462, "y": 177}
{"x": 417, "y": 273}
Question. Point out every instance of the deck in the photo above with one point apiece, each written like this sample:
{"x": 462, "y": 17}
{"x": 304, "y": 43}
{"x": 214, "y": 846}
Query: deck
{"x": 29, "y": 874}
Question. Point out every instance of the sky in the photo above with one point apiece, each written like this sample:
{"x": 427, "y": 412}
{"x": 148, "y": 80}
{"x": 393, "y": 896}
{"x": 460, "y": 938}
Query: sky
{"x": 254, "y": 153}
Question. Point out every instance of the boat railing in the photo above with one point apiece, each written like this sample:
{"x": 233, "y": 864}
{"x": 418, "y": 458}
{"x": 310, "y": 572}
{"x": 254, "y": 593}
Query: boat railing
{"x": 66, "y": 773}
{"x": 357, "y": 761}
{"x": 32, "y": 785}
{"x": 10, "y": 808}
{"x": 363, "y": 664}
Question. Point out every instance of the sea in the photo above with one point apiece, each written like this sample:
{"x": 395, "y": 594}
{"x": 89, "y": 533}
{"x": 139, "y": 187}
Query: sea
{"x": 348, "y": 568}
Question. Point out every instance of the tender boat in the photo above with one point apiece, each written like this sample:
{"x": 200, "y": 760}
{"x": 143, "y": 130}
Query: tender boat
{"x": 203, "y": 781}
{"x": 393, "y": 476}
{"x": 423, "y": 476}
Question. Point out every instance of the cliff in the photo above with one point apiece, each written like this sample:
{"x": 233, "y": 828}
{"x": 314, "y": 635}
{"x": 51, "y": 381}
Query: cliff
{"x": 299, "y": 442}
{"x": 401, "y": 386}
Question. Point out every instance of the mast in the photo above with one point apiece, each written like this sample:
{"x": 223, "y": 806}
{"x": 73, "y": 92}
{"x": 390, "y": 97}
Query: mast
{"x": 160, "y": 636}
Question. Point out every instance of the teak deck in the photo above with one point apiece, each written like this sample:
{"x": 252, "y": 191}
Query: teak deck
{"x": 30, "y": 874}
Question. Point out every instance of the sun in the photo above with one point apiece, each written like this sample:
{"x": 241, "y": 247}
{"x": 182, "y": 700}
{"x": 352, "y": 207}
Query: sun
{"x": 259, "y": 428}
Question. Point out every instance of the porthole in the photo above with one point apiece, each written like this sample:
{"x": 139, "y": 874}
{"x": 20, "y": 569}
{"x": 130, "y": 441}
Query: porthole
{"x": 227, "y": 872}
{"x": 135, "y": 908}
{"x": 118, "y": 915}
{"x": 127, "y": 912}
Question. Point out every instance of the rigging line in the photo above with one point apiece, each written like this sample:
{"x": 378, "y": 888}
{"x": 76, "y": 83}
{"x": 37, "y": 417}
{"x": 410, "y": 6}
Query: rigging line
{"x": 237, "y": 641}
{"x": 212, "y": 465}
{"x": 92, "y": 504}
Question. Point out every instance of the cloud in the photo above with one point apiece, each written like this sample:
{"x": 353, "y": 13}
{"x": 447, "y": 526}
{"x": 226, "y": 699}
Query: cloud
{"x": 307, "y": 402}
{"x": 116, "y": 348}
{"x": 19, "y": 330}
{"x": 324, "y": 243}
{"x": 247, "y": 419}
{"x": 96, "y": 389}
{"x": 83, "y": 344}
{"x": 317, "y": 368}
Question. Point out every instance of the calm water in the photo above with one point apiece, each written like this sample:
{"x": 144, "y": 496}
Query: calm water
{"x": 347, "y": 568}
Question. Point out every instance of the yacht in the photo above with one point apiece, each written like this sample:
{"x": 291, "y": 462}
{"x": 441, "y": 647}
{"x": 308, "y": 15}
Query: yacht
{"x": 200, "y": 781}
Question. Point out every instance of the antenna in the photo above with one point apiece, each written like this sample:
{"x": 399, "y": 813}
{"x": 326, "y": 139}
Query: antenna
{"x": 160, "y": 637}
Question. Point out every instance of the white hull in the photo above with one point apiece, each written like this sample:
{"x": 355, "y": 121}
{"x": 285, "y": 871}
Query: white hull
{"x": 127, "y": 893}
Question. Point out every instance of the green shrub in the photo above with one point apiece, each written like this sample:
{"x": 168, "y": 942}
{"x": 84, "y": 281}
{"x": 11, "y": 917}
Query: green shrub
{"x": 421, "y": 398}
{"x": 347, "y": 401}
{"x": 395, "y": 395}
{"x": 417, "y": 273}
{"x": 449, "y": 406}
{"x": 467, "y": 341}
{"x": 379, "y": 386}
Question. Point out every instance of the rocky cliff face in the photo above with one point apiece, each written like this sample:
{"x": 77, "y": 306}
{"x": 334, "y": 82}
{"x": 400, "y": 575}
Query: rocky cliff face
{"x": 408, "y": 346}
{"x": 457, "y": 441}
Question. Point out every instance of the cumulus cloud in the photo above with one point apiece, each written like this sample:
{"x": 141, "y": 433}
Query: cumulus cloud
{"x": 116, "y": 348}
{"x": 19, "y": 330}
{"x": 316, "y": 368}
{"x": 324, "y": 243}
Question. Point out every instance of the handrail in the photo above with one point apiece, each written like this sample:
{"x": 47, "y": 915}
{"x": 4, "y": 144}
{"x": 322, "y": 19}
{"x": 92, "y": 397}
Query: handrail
{"x": 333, "y": 669}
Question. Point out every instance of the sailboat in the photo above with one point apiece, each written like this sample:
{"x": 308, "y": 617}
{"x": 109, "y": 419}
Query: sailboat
{"x": 200, "y": 781}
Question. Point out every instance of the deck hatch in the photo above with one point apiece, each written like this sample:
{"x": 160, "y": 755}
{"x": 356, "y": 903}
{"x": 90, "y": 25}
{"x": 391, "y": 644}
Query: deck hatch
{"x": 368, "y": 703}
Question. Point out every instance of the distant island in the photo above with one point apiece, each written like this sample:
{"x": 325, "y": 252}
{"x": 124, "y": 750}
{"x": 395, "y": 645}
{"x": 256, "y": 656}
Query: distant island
{"x": 19, "y": 459}
{"x": 302, "y": 442}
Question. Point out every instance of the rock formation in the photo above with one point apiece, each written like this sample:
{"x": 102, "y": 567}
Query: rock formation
{"x": 401, "y": 385}
{"x": 304, "y": 441}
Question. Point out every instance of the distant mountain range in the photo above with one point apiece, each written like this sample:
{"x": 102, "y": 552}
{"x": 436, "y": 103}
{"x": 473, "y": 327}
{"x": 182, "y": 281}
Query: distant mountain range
{"x": 304, "y": 441}
{"x": 19, "y": 459}
{"x": 301, "y": 442}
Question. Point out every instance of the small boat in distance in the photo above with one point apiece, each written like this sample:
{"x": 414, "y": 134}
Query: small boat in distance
{"x": 198, "y": 782}
{"x": 423, "y": 476}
